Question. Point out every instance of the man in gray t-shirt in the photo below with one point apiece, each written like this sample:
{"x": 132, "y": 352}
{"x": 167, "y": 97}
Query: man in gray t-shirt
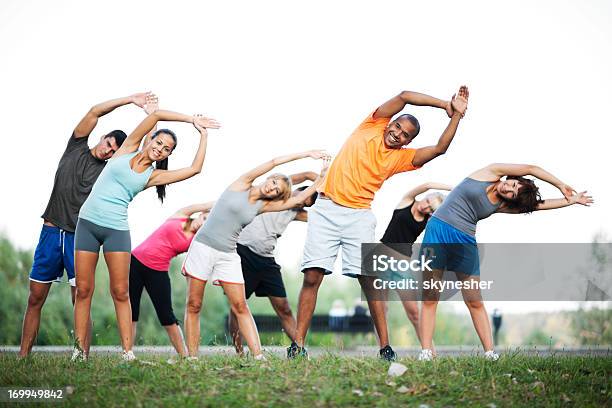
{"x": 262, "y": 275}
{"x": 77, "y": 171}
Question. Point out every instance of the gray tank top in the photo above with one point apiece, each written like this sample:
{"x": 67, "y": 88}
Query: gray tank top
{"x": 230, "y": 214}
{"x": 466, "y": 205}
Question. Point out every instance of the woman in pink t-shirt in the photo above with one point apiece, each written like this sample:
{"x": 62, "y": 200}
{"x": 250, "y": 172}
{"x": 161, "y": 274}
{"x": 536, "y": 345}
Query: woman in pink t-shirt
{"x": 151, "y": 262}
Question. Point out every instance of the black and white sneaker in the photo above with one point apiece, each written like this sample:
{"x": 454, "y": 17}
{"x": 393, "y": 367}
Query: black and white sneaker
{"x": 387, "y": 353}
{"x": 294, "y": 351}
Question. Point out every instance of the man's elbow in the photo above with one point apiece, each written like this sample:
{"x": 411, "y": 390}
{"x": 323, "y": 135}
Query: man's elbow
{"x": 440, "y": 150}
{"x": 405, "y": 95}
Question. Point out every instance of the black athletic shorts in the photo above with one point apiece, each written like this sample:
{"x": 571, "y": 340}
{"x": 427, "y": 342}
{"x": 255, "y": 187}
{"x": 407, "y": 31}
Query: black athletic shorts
{"x": 262, "y": 274}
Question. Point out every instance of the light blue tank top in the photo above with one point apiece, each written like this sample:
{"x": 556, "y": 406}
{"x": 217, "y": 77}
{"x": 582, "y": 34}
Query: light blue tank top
{"x": 230, "y": 214}
{"x": 466, "y": 205}
{"x": 110, "y": 196}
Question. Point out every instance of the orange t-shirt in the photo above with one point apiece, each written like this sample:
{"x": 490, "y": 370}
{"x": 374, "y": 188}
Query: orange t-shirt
{"x": 363, "y": 164}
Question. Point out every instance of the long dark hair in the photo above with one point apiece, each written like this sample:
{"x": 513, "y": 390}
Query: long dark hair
{"x": 528, "y": 196}
{"x": 163, "y": 164}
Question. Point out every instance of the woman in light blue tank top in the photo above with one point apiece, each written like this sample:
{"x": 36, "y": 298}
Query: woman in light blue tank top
{"x": 212, "y": 254}
{"x": 480, "y": 195}
{"x": 103, "y": 216}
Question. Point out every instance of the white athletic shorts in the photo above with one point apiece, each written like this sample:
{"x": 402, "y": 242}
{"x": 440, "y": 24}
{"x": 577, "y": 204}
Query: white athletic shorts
{"x": 332, "y": 227}
{"x": 205, "y": 263}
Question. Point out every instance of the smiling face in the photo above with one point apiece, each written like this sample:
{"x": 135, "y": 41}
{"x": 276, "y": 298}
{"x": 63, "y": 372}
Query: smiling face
{"x": 429, "y": 204}
{"x": 106, "y": 147}
{"x": 275, "y": 188}
{"x": 508, "y": 189}
{"x": 399, "y": 133}
{"x": 160, "y": 147}
{"x": 198, "y": 222}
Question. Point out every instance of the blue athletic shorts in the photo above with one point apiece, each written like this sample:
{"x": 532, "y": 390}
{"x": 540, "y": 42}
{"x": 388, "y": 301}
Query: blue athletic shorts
{"x": 53, "y": 254}
{"x": 449, "y": 248}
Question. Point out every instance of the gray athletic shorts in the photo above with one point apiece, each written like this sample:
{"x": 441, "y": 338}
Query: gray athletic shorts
{"x": 90, "y": 237}
{"x": 332, "y": 227}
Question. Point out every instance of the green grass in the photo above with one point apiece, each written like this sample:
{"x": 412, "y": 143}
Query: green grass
{"x": 332, "y": 380}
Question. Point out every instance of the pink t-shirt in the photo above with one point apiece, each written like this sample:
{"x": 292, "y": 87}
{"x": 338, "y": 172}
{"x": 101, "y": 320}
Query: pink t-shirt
{"x": 163, "y": 244}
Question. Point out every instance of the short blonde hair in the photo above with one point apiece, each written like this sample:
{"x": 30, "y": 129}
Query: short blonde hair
{"x": 285, "y": 191}
{"x": 435, "y": 200}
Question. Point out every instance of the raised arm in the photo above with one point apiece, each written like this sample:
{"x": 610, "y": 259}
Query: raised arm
{"x": 395, "y": 105}
{"x": 554, "y": 203}
{"x": 299, "y": 178}
{"x": 194, "y": 208}
{"x": 132, "y": 142}
{"x": 580, "y": 198}
{"x": 152, "y": 105}
{"x": 90, "y": 120}
{"x": 163, "y": 177}
{"x": 428, "y": 153}
{"x": 495, "y": 171}
{"x": 246, "y": 180}
{"x": 410, "y": 196}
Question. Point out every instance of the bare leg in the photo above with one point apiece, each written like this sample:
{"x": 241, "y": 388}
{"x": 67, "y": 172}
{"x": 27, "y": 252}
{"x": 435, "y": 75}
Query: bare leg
{"x": 480, "y": 318}
{"x": 85, "y": 268}
{"x": 283, "y": 310}
{"x": 134, "y": 332}
{"x": 235, "y": 333}
{"x": 176, "y": 338}
{"x": 429, "y": 305}
{"x": 411, "y": 307}
{"x": 195, "y": 293}
{"x": 89, "y": 325}
{"x": 307, "y": 302}
{"x": 377, "y": 308}
{"x": 31, "y": 319}
{"x": 119, "y": 269}
{"x": 240, "y": 308}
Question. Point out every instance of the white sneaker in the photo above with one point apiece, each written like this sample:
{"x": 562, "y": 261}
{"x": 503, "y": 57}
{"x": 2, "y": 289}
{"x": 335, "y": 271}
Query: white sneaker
{"x": 193, "y": 358}
{"x": 426, "y": 355}
{"x": 128, "y": 356}
{"x": 491, "y": 355}
{"x": 78, "y": 355}
{"x": 260, "y": 357}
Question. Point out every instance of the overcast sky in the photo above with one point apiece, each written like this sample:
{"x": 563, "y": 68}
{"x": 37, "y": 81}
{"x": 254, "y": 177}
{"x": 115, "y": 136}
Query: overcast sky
{"x": 285, "y": 77}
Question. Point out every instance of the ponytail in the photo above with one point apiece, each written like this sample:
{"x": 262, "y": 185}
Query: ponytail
{"x": 161, "y": 190}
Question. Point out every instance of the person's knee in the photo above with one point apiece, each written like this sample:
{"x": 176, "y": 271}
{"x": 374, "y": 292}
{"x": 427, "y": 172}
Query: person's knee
{"x": 312, "y": 278}
{"x": 167, "y": 318}
{"x": 120, "y": 293}
{"x": 194, "y": 305}
{"x": 84, "y": 291}
{"x": 474, "y": 304}
{"x": 413, "y": 316}
{"x": 283, "y": 309}
{"x": 36, "y": 300}
{"x": 239, "y": 307}
{"x": 429, "y": 303}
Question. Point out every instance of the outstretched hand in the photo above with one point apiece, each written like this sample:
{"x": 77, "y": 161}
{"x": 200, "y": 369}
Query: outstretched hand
{"x": 151, "y": 103}
{"x": 582, "y": 199}
{"x": 319, "y": 154}
{"x": 567, "y": 191}
{"x": 325, "y": 166}
{"x": 460, "y": 101}
{"x": 140, "y": 99}
{"x": 201, "y": 122}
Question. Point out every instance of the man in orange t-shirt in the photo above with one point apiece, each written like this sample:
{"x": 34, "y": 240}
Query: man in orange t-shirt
{"x": 341, "y": 216}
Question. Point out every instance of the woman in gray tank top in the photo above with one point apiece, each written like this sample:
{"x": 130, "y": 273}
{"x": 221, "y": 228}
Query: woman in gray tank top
{"x": 212, "y": 254}
{"x": 480, "y": 195}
